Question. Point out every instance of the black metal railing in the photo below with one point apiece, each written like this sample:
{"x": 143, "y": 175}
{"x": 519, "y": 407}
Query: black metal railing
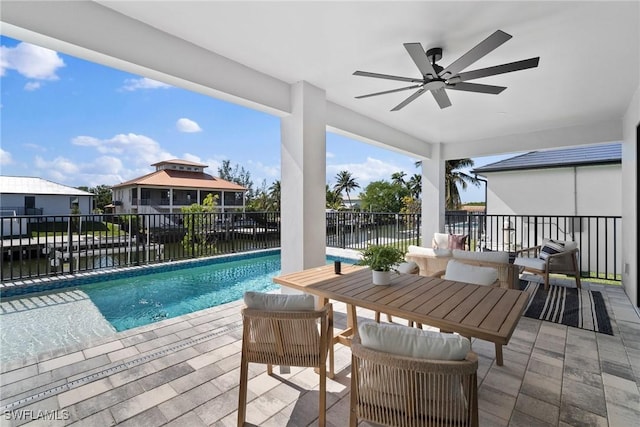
{"x": 37, "y": 246}
{"x": 50, "y": 245}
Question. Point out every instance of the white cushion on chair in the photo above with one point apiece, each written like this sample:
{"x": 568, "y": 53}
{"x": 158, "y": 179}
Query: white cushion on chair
{"x": 278, "y": 302}
{"x": 535, "y": 263}
{"x": 477, "y": 275}
{"x": 413, "y": 342}
{"x": 493, "y": 256}
{"x": 420, "y": 250}
{"x": 408, "y": 268}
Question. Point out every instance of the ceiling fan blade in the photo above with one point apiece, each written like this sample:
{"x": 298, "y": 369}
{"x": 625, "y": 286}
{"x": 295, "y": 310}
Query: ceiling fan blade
{"x": 386, "y": 76}
{"x": 475, "y": 87}
{"x": 420, "y": 58}
{"x": 498, "y": 69}
{"x": 409, "y": 99}
{"x": 481, "y": 49}
{"x": 441, "y": 98}
{"x": 388, "y": 91}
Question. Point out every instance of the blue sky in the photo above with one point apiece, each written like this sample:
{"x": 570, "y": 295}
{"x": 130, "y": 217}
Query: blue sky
{"x": 79, "y": 123}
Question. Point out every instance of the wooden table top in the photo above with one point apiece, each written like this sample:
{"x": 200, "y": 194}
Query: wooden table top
{"x": 483, "y": 312}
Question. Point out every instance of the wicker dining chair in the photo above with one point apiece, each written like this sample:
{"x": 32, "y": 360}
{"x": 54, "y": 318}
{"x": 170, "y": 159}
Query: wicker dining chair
{"x": 401, "y": 391}
{"x": 286, "y": 338}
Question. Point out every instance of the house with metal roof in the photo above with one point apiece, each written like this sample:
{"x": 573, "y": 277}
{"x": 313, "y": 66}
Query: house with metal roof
{"x": 25, "y": 195}
{"x": 557, "y": 182}
{"x": 175, "y": 184}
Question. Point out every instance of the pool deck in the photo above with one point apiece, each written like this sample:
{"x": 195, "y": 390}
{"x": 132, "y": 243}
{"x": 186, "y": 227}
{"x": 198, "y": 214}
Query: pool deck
{"x": 184, "y": 371}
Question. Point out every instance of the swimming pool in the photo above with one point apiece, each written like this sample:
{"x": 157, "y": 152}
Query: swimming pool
{"x": 41, "y": 321}
{"x": 136, "y": 301}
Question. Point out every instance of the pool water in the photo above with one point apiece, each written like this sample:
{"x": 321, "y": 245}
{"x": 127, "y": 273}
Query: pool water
{"x": 136, "y": 301}
{"x": 38, "y": 322}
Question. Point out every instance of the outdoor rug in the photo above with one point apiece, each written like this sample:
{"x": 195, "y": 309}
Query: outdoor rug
{"x": 579, "y": 308}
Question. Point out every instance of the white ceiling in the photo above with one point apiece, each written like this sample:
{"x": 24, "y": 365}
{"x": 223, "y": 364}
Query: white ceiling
{"x": 589, "y": 55}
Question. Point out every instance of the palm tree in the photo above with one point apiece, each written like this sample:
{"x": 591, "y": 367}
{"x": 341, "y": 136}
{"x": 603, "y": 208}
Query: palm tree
{"x": 334, "y": 200}
{"x": 398, "y": 178}
{"x": 275, "y": 194}
{"x": 454, "y": 178}
{"x": 345, "y": 182}
{"x": 414, "y": 185}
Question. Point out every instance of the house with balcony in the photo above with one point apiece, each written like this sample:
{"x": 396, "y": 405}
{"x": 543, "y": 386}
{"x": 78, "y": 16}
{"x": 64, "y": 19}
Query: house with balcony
{"x": 175, "y": 184}
{"x": 27, "y": 195}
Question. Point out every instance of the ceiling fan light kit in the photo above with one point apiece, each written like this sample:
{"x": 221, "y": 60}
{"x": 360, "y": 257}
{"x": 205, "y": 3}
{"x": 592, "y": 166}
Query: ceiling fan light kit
{"x": 436, "y": 79}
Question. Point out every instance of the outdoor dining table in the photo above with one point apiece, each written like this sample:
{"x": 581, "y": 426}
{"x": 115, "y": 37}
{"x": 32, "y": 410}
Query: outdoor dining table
{"x": 485, "y": 312}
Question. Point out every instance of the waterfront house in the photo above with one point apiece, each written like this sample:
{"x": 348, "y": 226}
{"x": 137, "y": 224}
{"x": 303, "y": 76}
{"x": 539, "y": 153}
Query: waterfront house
{"x": 174, "y": 184}
{"x": 26, "y": 195}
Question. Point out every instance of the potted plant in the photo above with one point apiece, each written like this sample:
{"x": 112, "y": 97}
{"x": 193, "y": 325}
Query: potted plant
{"x": 381, "y": 260}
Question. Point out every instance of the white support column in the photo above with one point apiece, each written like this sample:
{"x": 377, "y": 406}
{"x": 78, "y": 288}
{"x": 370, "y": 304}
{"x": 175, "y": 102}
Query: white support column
{"x": 433, "y": 195}
{"x": 303, "y": 162}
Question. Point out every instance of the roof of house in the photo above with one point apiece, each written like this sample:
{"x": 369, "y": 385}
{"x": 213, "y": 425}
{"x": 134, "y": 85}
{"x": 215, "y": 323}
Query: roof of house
{"x": 33, "y": 185}
{"x": 581, "y": 156}
{"x": 187, "y": 179}
{"x": 179, "y": 162}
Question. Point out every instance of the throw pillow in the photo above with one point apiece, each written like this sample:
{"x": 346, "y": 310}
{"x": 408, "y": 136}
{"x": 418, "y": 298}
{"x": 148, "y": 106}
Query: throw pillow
{"x": 461, "y": 272}
{"x": 457, "y": 241}
{"x": 550, "y": 247}
{"x": 278, "y": 302}
{"x": 413, "y": 342}
{"x": 440, "y": 241}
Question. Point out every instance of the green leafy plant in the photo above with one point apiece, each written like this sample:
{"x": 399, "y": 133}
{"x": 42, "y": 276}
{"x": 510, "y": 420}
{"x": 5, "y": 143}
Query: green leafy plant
{"x": 381, "y": 258}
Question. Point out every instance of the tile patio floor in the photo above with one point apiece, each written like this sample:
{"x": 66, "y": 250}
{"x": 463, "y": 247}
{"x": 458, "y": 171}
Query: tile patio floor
{"x": 184, "y": 372}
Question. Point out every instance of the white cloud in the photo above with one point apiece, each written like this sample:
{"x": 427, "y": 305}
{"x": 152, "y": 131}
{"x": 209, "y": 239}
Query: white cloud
{"x": 191, "y": 157}
{"x": 32, "y": 62}
{"x": 5, "y": 157}
{"x": 330, "y": 155}
{"x": 188, "y": 126}
{"x": 104, "y": 170}
{"x": 140, "y": 149}
{"x": 364, "y": 173}
{"x": 35, "y": 147}
{"x": 31, "y": 86}
{"x": 263, "y": 171}
{"x": 59, "y": 169}
{"x": 131, "y": 85}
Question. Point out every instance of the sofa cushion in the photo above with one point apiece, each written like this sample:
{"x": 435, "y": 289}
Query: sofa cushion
{"x": 413, "y": 342}
{"x": 421, "y": 250}
{"x": 461, "y": 272}
{"x": 279, "y": 302}
{"x": 457, "y": 241}
{"x": 493, "y": 256}
{"x": 530, "y": 262}
{"x": 440, "y": 241}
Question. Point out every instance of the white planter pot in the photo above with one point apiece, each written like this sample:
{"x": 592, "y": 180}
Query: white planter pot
{"x": 381, "y": 277}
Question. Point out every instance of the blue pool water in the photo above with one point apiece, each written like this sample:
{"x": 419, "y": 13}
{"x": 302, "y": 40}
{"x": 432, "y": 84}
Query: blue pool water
{"x": 136, "y": 301}
{"x": 62, "y": 314}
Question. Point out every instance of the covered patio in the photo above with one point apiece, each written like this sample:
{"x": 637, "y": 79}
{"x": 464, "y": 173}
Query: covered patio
{"x": 185, "y": 372}
{"x": 296, "y": 60}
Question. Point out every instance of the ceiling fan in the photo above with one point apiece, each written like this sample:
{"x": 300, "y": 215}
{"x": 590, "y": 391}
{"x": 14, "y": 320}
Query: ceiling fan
{"x": 436, "y": 79}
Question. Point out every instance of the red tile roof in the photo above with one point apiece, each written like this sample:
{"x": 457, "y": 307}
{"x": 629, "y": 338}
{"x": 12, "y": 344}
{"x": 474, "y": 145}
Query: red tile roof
{"x": 174, "y": 178}
{"x": 179, "y": 162}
